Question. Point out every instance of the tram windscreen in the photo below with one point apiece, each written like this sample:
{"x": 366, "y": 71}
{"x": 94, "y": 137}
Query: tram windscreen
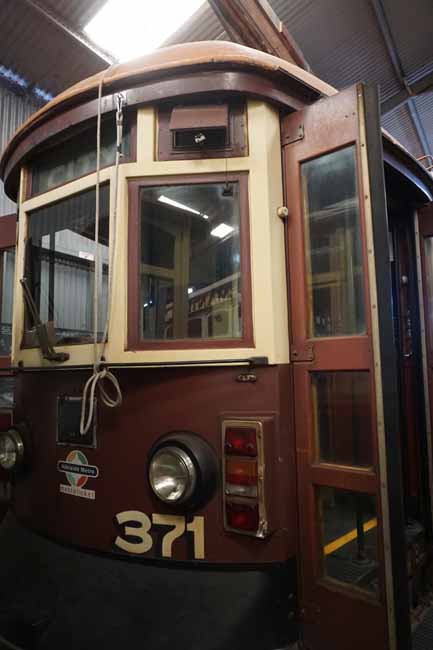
{"x": 60, "y": 264}
{"x": 190, "y": 262}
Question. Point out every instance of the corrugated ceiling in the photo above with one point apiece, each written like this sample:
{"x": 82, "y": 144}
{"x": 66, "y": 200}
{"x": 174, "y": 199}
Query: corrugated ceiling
{"x": 343, "y": 42}
{"x": 41, "y": 52}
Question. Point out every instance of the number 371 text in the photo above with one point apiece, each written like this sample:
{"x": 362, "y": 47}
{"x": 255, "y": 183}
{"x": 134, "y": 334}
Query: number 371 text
{"x": 137, "y": 526}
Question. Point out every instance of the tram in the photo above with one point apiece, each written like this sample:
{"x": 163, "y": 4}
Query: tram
{"x": 222, "y": 342}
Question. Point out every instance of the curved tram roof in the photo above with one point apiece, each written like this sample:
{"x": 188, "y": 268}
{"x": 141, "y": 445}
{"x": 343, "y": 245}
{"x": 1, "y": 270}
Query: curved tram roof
{"x": 287, "y": 84}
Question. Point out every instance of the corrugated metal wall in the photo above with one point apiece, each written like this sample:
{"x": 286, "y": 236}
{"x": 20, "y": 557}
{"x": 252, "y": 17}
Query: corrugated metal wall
{"x": 14, "y": 110}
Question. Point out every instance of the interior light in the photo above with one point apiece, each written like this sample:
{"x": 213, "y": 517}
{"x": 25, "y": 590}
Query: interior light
{"x": 176, "y": 204}
{"x": 190, "y": 290}
{"x": 205, "y": 216}
{"x": 222, "y": 230}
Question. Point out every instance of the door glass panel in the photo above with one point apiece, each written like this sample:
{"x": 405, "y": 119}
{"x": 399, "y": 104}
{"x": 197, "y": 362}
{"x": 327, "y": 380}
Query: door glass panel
{"x": 428, "y": 260}
{"x": 348, "y": 525}
{"x": 333, "y": 245}
{"x": 342, "y": 417}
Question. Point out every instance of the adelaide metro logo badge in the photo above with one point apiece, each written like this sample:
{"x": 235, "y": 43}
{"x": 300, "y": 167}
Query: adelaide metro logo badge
{"x": 78, "y": 471}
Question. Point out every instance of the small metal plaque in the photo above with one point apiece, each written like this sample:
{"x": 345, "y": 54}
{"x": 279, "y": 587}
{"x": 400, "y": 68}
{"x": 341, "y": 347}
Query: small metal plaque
{"x": 68, "y": 423}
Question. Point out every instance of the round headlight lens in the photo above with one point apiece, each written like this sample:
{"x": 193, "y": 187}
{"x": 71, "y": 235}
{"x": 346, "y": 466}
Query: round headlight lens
{"x": 172, "y": 474}
{"x": 11, "y": 449}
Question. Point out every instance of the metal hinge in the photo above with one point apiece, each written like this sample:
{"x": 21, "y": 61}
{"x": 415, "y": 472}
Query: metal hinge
{"x": 309, "y": 613}
{"x": 292, "y": 134}
{"x": 302, "y": 352}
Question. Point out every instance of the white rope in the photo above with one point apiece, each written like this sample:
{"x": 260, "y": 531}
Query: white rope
{"x": 99, "y": 374}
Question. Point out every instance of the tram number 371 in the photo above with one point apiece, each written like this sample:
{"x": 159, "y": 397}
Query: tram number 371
{"x": 141, "y": 526}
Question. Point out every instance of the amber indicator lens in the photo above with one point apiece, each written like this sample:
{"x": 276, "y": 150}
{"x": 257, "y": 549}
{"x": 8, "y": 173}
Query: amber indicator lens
{"x": 241, "y": 441}
{"x": 241, "y": 472}
{"x": 242, "y": 516}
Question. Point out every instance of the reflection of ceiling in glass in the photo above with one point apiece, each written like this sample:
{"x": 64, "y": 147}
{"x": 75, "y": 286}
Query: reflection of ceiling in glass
{"x": 207, "y": 201}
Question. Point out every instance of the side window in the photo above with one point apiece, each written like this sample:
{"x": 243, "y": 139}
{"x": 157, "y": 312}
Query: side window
{"x": 193, "y": 276}
{"x": 202, "y": 131}
{"x": 60, "y": 265}
{"x": 7, "y": 270}
{"x": 76, "y": 157}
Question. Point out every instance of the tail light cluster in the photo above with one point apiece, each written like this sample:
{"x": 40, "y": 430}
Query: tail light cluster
{"x": 243, "y": 474}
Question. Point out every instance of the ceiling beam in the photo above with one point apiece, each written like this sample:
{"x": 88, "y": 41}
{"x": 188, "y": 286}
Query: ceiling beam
{"x": 255, "y": 24}
{"x": 421, "y": 85}
{"x": 73, "y": 33}
{"x": 391, "y": 47}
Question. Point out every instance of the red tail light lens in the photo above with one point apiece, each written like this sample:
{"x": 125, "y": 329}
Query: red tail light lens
{"x": 241, "y": 441}
{"x": 242, "y": 516}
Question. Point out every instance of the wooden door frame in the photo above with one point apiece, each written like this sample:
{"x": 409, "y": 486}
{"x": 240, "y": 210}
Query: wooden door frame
{"x": 374, "y": 351}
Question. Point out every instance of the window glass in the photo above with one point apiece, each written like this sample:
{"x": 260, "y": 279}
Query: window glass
{"x": 77, "y": 156}
{"x": 60, "y": 264}
{"x": 428, "y": 292}
{"x": 7, "y": 291}
{"x": 342, "y": 417}
{"x": 348, "y": 523}
{"x": 190, "y": 281}
{"x": 333, "y": 245}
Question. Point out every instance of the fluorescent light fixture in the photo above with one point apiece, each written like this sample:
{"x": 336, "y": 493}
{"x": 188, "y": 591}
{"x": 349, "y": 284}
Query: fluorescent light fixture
{"x": 131, "y": 28}
{"x": 176, "y": 204}
{"x": 222, "y": 230}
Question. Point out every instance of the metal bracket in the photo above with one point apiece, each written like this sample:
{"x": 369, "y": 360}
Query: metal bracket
{"x": 293, "y": 135}
{"x": 303, "y": 352}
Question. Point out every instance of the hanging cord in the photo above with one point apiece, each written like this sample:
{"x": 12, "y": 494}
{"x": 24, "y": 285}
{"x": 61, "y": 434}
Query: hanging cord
{"x": 100, "y": 373}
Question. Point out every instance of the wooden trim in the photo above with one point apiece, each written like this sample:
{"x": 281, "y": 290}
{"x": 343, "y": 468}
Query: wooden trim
{"x": 134, "y": 341}
{"x": 8, "y": 231}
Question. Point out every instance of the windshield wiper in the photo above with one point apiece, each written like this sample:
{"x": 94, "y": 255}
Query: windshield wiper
{"x": 46, "y": 343}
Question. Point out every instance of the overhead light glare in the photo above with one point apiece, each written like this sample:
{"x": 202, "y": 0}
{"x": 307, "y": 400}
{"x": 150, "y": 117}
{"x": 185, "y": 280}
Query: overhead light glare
{"x": 176, "y": 204}
{"x": 222, "y": 230}
{"x": 131, "y": 28}
{"x": 205, "y": 216}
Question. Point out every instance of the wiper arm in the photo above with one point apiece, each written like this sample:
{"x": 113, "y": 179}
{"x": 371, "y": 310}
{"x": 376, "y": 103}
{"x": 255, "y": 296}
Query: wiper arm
{"x": 46, "y": 343}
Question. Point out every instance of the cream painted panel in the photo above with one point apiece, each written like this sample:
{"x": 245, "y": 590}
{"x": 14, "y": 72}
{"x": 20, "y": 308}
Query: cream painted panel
{"x": 267, "y": 246}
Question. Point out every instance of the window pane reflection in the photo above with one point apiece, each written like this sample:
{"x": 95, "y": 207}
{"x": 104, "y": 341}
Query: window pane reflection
{"x": 190, "y": 262}
{"x": 348, "y": 523}
{"x": 333, "y": 245}
{"x": 60, "y": 264}
{"x": 428, "y": 263}
{"x": 7, "y": 291}
{"x": 342, "y": 417}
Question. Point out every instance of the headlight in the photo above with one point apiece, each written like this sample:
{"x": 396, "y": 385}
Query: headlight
{"x": 183, "y": 470}
{"x": 172, "y": 474}
{"x": 11, "y": 449}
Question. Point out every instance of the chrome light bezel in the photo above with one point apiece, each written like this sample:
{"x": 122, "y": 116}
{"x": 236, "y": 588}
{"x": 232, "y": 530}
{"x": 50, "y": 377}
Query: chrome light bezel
{"x": 188, "y": 467}
{"x": 18, "y": 442}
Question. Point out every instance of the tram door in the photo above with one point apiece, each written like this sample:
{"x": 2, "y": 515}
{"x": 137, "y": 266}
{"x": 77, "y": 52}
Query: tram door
{"x": 333, "y": 196}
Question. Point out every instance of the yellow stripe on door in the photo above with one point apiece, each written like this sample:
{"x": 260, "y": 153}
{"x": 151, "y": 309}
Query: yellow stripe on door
{"x": 349, "y": 537}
